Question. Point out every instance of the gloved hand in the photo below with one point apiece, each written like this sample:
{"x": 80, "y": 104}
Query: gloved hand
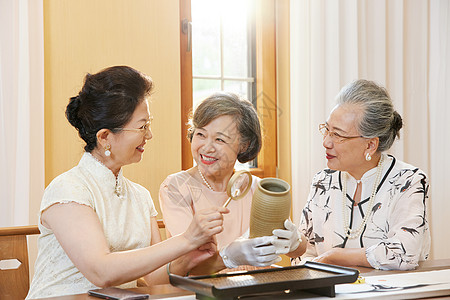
{"x": 256, "y": 252}
{"x": 288, "y": 239}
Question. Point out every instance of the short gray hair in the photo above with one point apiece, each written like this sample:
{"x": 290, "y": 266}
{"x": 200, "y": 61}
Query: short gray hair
{"x": 244, "y": 114}
{"x": 379, "y": 118}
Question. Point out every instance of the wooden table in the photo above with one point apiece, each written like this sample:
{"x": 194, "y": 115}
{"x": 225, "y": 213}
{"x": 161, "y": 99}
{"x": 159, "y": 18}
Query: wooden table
{"x": 167, "y": 291}
{"x": 428, "y": 265}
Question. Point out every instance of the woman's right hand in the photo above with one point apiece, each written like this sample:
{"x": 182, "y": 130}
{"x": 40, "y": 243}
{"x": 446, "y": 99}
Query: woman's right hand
{"x": 205, "y": 224}
{"x": 259, "y": 252}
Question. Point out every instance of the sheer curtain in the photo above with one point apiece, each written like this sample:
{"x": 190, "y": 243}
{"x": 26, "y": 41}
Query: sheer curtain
{"x": 21, "y": 111}
{"x": 439, "y": 99}
{"x": 403, "y": 45}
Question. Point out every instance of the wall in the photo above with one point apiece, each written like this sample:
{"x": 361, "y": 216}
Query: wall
{"x": 87, "y": 36}
{"x": 283, "y": 97}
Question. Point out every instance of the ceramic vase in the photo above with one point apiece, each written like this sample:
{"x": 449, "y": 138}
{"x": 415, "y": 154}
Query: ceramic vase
{"x": 271, "y": 205}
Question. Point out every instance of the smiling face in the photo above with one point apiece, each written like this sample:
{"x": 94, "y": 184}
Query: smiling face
{"x": 349, "y": 155}
{"x": 215, "y": 147}
{"x": 127, "y": 146}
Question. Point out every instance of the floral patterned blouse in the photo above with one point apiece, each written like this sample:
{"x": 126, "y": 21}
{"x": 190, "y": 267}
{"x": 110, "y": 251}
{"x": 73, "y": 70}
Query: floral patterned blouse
{"x": 396, "y": 235}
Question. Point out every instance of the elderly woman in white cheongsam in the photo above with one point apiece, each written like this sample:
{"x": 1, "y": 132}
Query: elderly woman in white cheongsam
{"x": 368, "y": 208}
{"x": 98, "y": 228}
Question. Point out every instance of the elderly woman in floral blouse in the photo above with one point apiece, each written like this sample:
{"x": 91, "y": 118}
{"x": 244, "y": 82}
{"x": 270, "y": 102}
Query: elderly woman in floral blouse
{"x": 368, "y": 208}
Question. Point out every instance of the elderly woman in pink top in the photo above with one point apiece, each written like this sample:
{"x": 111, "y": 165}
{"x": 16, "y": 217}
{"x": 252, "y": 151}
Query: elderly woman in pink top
{"x": 224, "y": 128}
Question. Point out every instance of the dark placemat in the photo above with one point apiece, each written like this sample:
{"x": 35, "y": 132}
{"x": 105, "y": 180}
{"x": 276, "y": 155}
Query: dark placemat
{"x": 314, "y": 277}
{"x": 240, "y": 280}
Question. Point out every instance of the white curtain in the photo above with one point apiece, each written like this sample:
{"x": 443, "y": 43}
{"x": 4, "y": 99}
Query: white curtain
{"x": 402, "y": 45}
{"x": 439, "y": 102}
{"x": 21, "y": 111}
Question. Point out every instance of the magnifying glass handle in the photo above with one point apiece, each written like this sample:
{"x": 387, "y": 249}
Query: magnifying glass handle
{"x": 226, "y": 203}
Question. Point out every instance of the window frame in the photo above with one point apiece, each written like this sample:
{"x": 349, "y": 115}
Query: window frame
{"x": 266, "y": 93}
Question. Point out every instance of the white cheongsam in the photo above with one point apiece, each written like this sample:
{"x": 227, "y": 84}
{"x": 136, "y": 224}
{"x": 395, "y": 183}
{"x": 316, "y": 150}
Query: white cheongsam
{"x": 124, "y": 209}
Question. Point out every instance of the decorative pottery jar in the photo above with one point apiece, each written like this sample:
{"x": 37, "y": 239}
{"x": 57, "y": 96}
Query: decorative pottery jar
{"x": 271, "y": 206}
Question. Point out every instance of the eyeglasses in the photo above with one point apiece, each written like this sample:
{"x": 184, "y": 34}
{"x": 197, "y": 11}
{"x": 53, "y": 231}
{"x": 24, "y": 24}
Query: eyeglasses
{"x": 336, "y": 137}
{"x": 143, "y": 129}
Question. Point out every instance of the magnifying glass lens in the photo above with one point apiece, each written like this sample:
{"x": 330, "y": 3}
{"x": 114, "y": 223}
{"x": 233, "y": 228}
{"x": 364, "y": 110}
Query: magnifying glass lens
{"x": 238, "y": 186}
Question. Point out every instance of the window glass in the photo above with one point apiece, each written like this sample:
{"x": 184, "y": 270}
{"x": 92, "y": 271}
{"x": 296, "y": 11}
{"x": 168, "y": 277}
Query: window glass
{"x": 239, "y": 87}
{"x": 236, "y": 40}
{"x": 223, "y": 47}
{"x": 206, "y": 38}
{"x": 203, "y": 88}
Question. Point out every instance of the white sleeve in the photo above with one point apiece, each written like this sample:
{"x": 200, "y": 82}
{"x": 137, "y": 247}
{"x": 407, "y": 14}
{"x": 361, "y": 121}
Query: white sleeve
{"x": 408, "y": 233}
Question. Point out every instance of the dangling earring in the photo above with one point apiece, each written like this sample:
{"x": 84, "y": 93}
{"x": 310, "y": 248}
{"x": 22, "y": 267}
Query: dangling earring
{"x": 368, "y": 157}
{"x": 107, "y": 150}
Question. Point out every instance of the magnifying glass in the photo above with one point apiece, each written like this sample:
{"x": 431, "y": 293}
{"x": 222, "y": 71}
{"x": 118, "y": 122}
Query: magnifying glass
{"x": 238, "y": 186}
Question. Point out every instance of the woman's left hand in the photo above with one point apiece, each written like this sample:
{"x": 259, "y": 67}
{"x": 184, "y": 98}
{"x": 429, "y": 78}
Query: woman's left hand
{"x": 346, "y": 257}
{"x": 332, "y": 257}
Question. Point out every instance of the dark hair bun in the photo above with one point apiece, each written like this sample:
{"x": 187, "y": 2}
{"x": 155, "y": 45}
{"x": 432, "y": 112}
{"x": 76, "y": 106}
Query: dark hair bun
{"x": 72, "y": 112}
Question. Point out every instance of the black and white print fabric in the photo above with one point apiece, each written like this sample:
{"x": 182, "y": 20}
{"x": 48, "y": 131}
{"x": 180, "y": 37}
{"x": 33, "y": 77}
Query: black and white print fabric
{"x": 396, "y": 235}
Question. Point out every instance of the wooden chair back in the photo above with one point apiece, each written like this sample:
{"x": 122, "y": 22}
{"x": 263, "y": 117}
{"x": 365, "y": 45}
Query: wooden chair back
{"x": 14, "y": 283}
{"x": 161, "y": 224}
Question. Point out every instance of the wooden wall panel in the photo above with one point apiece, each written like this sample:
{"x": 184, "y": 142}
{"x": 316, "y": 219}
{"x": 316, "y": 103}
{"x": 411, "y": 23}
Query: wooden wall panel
{"x": 87, "y": 36}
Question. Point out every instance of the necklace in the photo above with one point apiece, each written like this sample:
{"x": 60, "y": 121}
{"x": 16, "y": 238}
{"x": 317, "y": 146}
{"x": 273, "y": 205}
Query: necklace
{"x": 204, "y": 180}
{"x": 350, "y": 233}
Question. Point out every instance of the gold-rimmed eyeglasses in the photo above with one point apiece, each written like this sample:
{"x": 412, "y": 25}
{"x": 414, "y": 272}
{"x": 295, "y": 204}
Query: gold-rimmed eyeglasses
{"x": 143, "y": 129}
{"x": 336, "y": 137}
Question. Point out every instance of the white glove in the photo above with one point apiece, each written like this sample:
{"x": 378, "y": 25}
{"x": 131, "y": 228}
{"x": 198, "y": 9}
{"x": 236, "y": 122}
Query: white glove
{"x": 256, "y": 252}
{"x": 288, "y": 239}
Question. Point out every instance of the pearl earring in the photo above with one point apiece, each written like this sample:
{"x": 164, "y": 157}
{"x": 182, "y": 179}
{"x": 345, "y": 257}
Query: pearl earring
{"x": 368, "y": 157}
{"x": 107, "y": 150}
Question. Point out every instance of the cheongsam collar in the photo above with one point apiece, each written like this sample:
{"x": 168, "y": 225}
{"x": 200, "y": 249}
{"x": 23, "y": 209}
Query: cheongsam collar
{"x": 369, "y": 175}
{"x": 107, "y": 178}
